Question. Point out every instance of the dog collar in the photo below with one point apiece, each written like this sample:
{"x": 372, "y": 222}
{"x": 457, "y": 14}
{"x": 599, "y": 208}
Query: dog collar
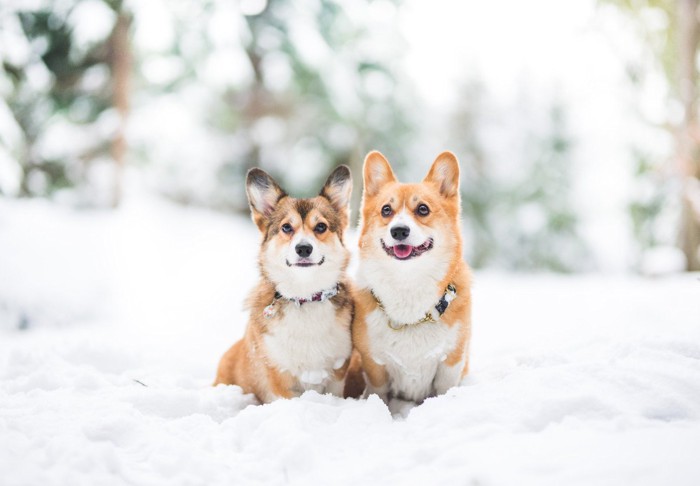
{"x": 321, "y": 296}
{"x": 439, "y": 309}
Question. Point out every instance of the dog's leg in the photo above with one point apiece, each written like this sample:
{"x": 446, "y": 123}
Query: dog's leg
{"x": 454, "y": 367}
{"x": 335, "y": 384}
{"x": 226, "y": 372}
{"x": 451, "y": 371}
{"x": 377, "y": 379}
{"x": 279, "y": 385}
{"x": 381, "y": 391}
{"x": 335, "y": 387}
{"x": 447, "y": 376}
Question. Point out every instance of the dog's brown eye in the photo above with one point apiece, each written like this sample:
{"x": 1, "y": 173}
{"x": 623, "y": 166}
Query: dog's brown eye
{"x": 287, "y": 228}
{"x": 422, "y": 210}
{"x": 386, "y": 210}
{"x": 320, "y": 228}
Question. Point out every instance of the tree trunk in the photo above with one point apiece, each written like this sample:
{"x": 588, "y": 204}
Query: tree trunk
{"x": 120, "y": 65}
{"x": 688, "y": 141}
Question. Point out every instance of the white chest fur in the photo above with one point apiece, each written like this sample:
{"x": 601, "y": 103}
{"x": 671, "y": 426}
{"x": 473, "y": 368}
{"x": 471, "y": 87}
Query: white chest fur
{"x": 404, "y": 286}
{"x": 411, "y": 355}
{"x": 309, "y": 343}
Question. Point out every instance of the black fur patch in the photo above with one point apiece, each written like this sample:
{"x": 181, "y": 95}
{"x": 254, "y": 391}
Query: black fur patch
{"x": 339, "y": 177}
{"x": 259, "y": 178}
{"x": 263, "y": 181}
{"x": 303, "y": 207}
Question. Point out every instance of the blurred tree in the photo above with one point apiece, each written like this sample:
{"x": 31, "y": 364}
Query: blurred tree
{"x": 337, "y": 105}
{"x": 646, "y": 209}
{"x": 480, "y": 193}
{"x": 674, "y": 44}
{"x": 62, "y": 96}
{"x": 295, "y": 87}
{"x": 546, "y": 235}
{"x": 523, "y": 218}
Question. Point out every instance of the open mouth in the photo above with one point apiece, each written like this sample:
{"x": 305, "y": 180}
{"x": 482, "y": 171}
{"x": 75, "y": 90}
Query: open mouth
{"x": 305, "y": 262}
{"x": 404, "y": 252}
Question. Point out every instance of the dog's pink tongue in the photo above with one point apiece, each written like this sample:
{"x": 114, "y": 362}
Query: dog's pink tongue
{"x": 402, "y": 251}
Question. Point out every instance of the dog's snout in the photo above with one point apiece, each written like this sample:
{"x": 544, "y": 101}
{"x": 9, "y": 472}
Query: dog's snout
{"x": 304, "y": 249}
{"x": 400, "y": 233}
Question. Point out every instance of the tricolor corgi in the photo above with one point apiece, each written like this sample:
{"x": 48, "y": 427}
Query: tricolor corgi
{"x": 412, "y": 321}
{"x": 298, "y": 336}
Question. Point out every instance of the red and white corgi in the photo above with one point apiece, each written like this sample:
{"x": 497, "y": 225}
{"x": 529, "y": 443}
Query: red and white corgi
{"x": 412, "y": 322}
{"x": 298, "y": 336}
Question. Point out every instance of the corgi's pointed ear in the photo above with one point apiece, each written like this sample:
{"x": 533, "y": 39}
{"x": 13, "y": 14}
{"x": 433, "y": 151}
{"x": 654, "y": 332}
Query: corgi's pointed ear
{"x": 376, "y": 172}
{"x": 444, "y": 173}
{"x": 338, "y": 188}
{"x": 263, "y": 193}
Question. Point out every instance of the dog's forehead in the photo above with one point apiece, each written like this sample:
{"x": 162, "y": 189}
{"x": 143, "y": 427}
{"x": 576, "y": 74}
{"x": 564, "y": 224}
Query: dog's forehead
{"x": 313, "y": 209}
{"x": 303, "y": 207}
{"x": 323, "y": 209}
{"x": 309, "y": 210}
{"x": 405, "y": 194}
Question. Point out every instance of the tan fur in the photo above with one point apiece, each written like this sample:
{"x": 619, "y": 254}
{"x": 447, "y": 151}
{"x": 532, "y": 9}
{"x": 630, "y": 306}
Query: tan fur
{"x": 365, "y": 303}
{"x": 249, "y": 362}
{"x": 246, "y": 363}
{"x": 440, "y": 191}
{"x": 355, "y": 380}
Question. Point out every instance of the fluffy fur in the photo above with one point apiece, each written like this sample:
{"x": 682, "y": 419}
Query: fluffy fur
{"x": 296, "y": 347}
{"x": 408, "y": 273}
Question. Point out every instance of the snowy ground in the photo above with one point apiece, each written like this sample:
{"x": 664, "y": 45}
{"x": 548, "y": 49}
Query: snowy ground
{"x": 575, "y": 380}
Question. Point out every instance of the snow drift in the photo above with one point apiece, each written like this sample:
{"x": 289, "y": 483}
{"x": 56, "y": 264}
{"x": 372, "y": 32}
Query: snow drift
{"x": 111, "y": 325}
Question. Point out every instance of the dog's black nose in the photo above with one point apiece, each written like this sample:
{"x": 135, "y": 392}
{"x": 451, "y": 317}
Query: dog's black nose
{"x": 400, "y": 232}
{"x": 304, "y": 249}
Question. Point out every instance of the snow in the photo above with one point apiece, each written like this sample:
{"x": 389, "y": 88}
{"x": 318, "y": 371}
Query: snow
{"x": 590, "y": 379}
{"x": 663, "y": 259}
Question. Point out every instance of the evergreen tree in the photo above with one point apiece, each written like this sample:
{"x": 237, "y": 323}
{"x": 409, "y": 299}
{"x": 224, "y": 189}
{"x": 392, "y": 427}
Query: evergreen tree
{"x": 60, "y": 92}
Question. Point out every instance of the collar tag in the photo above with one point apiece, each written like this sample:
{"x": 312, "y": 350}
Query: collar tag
{"x": 270, "y": 311}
